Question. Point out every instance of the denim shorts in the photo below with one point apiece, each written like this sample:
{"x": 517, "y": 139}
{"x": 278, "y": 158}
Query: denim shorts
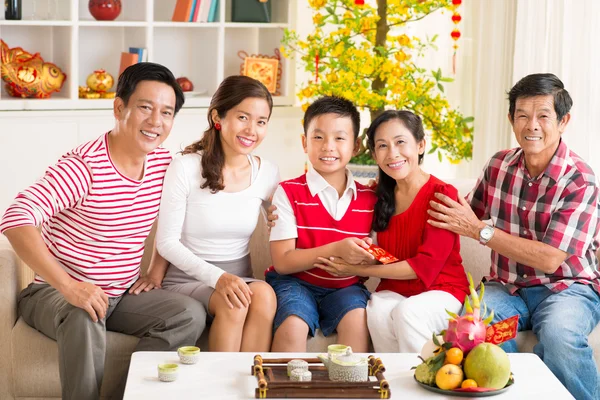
{"x": 319, "y": 307}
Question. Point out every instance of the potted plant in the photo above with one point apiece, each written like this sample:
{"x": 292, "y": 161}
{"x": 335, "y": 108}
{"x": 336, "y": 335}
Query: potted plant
{"x": 358, "y": 51}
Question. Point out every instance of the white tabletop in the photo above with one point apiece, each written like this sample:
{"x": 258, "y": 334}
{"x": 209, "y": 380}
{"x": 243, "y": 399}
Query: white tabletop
{"x": 227, "y": 376}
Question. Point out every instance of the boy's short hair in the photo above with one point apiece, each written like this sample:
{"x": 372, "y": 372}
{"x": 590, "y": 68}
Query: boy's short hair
{"x": 333, "y": 105}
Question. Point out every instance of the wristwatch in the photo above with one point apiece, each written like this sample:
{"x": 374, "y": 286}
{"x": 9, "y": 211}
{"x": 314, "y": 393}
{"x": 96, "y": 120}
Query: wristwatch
{"x": 486, "y": 234}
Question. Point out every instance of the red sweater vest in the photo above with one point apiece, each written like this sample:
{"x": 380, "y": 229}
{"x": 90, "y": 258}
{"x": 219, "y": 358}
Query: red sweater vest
{"x": 317, "y": 228}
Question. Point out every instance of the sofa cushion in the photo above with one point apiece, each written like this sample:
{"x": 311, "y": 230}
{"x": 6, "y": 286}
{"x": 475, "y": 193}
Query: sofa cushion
{"x": 35, "y": 364}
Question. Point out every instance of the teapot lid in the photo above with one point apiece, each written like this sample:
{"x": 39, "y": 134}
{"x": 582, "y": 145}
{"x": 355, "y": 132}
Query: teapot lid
{"x": 349, "y": 360}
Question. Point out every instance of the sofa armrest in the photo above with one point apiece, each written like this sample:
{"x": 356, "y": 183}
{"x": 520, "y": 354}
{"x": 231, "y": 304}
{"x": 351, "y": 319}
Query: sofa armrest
{"x": 9, "y": 289}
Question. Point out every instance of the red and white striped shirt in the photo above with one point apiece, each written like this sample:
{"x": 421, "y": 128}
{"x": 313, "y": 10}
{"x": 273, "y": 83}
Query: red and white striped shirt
{"x": 94, "y": 219}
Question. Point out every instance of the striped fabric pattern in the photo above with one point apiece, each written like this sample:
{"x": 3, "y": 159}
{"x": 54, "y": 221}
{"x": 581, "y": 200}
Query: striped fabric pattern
{"x": 559, "y": 208}
{"x": 316, "y": 227}
{"x": 94, "y": 220}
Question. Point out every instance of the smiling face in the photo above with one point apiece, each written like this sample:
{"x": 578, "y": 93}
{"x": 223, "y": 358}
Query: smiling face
{"x": 329, "y": 143}
{"x": 244, "y": 126}
{"x": 537, "y": 128}
{"x": 396, "y": 150}
{"x": 147, "y": 118}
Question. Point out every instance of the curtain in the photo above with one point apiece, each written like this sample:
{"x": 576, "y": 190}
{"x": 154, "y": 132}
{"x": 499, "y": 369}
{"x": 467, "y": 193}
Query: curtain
{"x": 561, "y": 37}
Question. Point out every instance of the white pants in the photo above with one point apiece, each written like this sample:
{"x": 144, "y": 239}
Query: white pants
{"x": 404, "y": 324}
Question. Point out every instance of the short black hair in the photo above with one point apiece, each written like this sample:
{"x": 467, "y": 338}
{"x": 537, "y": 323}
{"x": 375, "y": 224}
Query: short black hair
{"x": 333, "y": 105}
{"x": 541, "y": 85}
{"x": 147, "y": 71}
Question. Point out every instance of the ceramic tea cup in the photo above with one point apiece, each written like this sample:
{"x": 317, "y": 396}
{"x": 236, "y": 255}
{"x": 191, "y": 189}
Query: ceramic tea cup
{"x": 189, "y": 354}
{"x": 168, "y": 372}
{"x": 335, "y": 350}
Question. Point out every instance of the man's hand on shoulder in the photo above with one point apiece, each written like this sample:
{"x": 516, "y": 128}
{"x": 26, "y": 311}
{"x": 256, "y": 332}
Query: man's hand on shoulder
{"x": 455, "y": 216}
{"x": 89, "y": 297}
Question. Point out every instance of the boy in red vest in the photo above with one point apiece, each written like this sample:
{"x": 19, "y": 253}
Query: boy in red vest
{"x": 323, "y": 213}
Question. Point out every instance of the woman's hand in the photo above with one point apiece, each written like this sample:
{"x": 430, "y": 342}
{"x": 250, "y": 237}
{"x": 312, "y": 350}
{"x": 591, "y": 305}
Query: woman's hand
{"x": 146, "y": 283}
{"x": 353, "y": 250}
{"x": 271, "y": 216}
{"x": 234, "y": 290}
{"x": 336, "y": 266}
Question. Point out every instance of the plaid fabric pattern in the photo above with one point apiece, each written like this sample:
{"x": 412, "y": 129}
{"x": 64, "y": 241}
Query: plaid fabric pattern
{"x": 559, "y": 207}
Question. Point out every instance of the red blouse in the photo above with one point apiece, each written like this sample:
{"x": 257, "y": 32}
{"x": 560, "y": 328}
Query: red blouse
{"x": 433, "y": 253}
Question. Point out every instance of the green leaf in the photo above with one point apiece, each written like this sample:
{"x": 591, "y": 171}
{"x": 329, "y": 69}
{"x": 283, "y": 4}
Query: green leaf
{"x": 439, "y": 156}
{"x": 439, "y": 86}
{"x": 468, "y": 119}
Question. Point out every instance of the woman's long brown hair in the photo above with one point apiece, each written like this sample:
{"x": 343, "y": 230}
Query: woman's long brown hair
{"x": 231, "y": 92}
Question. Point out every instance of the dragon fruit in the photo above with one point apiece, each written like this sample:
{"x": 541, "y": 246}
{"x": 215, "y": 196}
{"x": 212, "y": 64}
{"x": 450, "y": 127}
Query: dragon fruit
{"x": 469, "y": 330}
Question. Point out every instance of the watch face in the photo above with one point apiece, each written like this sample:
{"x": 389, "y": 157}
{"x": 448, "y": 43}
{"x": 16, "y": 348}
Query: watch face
{"x": 487, "y": 232}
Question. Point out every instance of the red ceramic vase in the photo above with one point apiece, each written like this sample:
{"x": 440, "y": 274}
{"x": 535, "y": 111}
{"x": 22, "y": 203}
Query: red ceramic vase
{"x": 105, "y": 10}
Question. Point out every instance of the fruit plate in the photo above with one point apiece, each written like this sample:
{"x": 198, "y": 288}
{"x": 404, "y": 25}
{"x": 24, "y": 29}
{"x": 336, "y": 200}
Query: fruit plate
{"x": 471, "y": 392}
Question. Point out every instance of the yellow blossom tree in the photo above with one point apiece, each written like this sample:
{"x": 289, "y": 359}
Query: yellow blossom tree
{"x": 362, "y": 55}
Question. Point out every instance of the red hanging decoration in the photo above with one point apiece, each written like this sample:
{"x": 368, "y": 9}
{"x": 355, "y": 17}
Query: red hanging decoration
{"x": 359, "y": 2}
{"x": 456, "y": 18}
{"x": 317, "y": 68}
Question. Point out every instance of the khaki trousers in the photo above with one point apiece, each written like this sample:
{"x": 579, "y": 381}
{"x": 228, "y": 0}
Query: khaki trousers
{"x": 162, "y": 320}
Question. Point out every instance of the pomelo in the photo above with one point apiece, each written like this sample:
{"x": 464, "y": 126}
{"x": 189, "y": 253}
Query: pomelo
{"x": 488, "y": 365}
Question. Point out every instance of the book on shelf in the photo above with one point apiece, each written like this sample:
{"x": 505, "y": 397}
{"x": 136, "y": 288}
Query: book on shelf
{"x": 195, "y": 9}
{"x": 203, "y": 17}
{"x": 212, "y": 13}
{"x": 127, "y": 59}
{"x": 182, "y": 10}
{"x": 141, "y": 52}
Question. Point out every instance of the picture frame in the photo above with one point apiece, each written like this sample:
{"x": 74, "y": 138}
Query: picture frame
{"x": 266, "y": 69}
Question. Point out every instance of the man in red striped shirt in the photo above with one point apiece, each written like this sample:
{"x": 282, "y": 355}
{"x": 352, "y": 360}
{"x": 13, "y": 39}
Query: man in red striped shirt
{"x": 542, "y": 200}
{"x": 96, "y": 207}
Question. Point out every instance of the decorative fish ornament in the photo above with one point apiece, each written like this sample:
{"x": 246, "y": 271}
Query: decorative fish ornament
{"x": 27, "y": 75}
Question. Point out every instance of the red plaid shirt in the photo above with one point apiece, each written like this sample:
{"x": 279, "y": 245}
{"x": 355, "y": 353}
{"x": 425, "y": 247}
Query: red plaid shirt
{"x": 559, "y": 207}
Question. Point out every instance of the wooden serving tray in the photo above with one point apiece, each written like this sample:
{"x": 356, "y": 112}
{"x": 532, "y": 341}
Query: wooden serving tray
{"x": 273, "y": 382}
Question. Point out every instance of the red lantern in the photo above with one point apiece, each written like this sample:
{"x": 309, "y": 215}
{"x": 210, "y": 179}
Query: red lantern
{"x": 361, "y": 2}
{"x": 455, "y": 34}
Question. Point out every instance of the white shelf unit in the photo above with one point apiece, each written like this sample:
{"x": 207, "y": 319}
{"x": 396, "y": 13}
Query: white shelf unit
{"x": 205, "y": 53}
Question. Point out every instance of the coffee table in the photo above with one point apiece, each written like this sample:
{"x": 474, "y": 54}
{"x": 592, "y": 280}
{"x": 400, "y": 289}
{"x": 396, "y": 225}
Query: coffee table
{"x": 226, "y": 376}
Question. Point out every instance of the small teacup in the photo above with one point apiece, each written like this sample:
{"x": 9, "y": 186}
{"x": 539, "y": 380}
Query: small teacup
{"x": 189, "y": 354}
{"x": 335, "y": 350}
{"x": 168, "y": 372}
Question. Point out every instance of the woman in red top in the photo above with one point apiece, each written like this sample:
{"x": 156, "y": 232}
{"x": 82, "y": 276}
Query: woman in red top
{"x": 410, "y": 302}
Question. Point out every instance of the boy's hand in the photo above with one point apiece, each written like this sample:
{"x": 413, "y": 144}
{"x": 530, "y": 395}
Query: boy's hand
{"x": 234, "y": 290}
{"x": 353, "y": 250}
{"x": 271, "y": 216}
{"x": 337, "y": 266}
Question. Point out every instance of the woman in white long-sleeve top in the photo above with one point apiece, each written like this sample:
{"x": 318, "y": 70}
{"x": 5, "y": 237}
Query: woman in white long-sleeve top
{"x": 211, "y": 202}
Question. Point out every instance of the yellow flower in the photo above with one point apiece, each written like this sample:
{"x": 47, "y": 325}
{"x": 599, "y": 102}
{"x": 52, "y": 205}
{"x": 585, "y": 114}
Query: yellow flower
{"x": 317, "y": 19}
{"x": 403, "y": 40}
{"x": 401, "y": 56}
{"x": 305, "y": 107}
{"x": 317, "y": 3}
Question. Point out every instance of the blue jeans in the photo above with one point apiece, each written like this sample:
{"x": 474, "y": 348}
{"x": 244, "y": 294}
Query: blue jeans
{"x": 319, "y": 307}
{"x": 562, "y": 322}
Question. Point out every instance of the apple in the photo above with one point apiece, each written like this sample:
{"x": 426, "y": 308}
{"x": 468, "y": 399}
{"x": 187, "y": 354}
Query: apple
{"x": 185, "y": 83}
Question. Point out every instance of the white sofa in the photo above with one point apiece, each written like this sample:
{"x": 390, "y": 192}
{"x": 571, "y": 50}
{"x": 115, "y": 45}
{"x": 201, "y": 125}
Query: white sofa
{"x": 29, "y": 360}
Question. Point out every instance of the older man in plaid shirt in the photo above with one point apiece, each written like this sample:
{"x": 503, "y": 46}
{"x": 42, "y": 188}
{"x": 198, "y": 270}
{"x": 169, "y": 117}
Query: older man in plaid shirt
{"x": 542, "y": 200}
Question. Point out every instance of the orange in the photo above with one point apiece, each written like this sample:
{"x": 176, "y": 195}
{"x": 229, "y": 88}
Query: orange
{"x": 468, "y": 383}
{"x": 449, "y": 377}
{"x": 454, "y": 356}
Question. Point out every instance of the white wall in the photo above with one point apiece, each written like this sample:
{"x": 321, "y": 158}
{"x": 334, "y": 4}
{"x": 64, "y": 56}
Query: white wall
{"x": 31, "y": 141}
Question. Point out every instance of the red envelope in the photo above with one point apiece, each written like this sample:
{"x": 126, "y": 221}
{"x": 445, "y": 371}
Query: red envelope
{"x": 381, "y": 255}
{"x": 502, "y": 331}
